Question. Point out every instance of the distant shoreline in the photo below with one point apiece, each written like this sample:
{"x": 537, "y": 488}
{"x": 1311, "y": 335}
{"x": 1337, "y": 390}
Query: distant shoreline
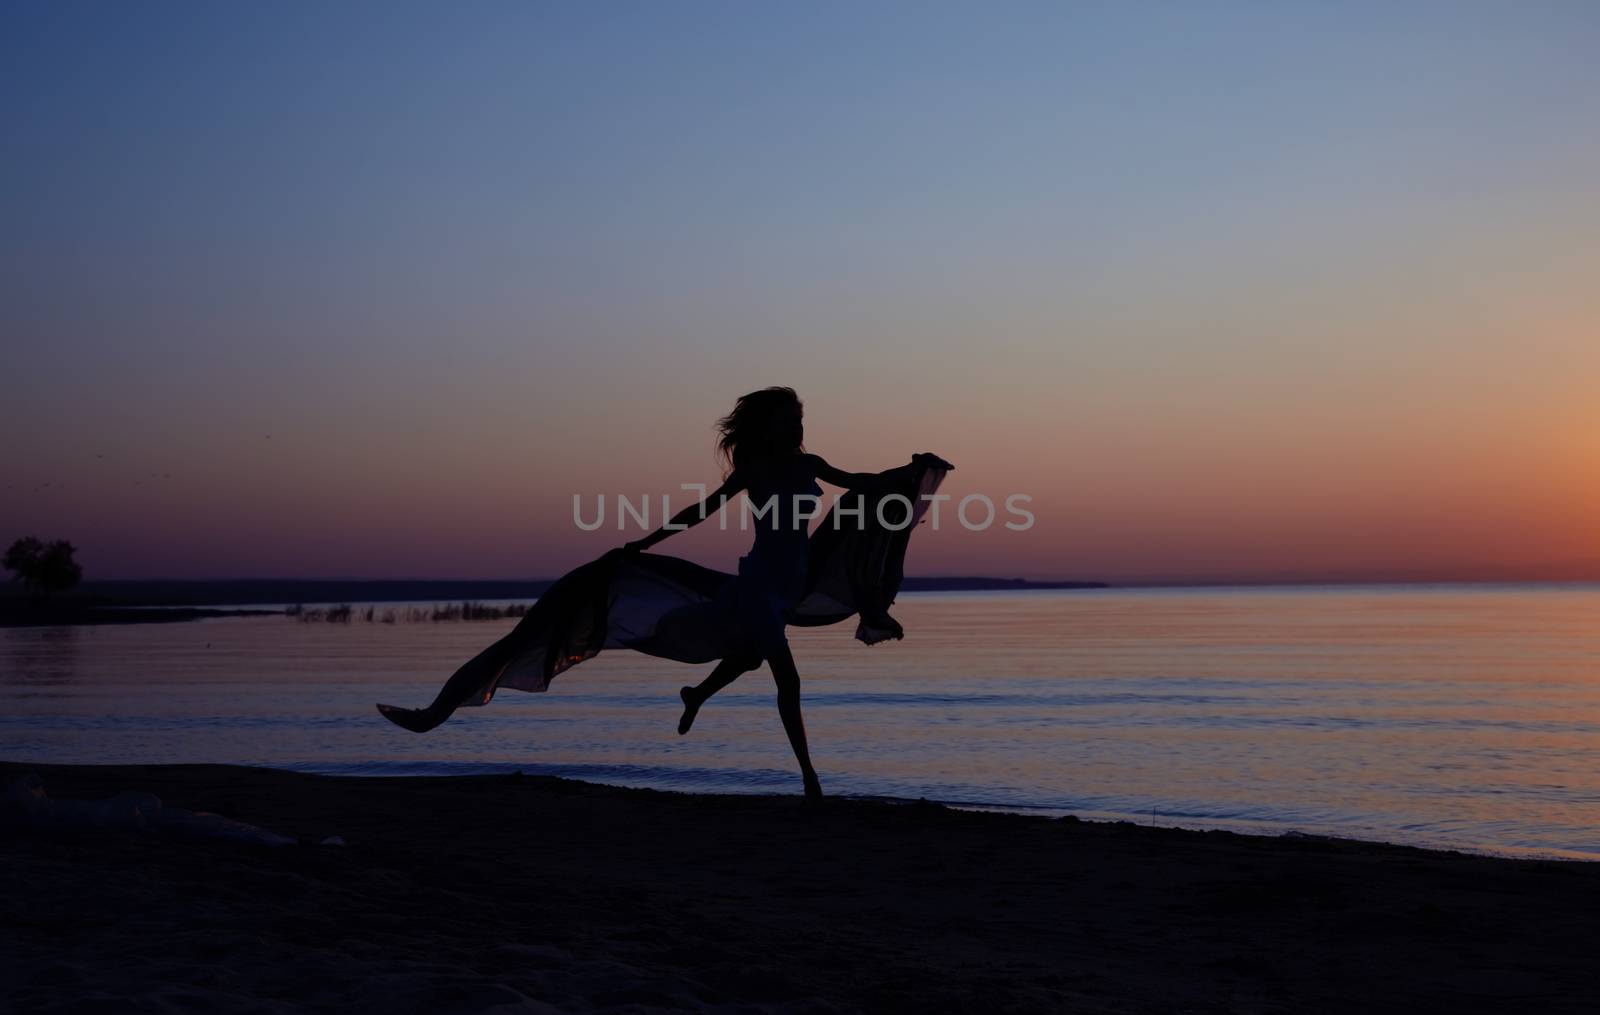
{"x": 260, "y": 591}
{"x": 165, "y": 602}
{"x": 85, "y": 615}
{"x": 137, "y": 601}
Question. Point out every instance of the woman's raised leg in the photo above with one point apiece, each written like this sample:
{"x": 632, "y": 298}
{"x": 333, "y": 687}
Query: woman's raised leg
{"x": 727, "y": 671}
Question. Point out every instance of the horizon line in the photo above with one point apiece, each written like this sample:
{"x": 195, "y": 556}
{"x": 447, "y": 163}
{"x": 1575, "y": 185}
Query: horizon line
{"x": 1143, "y": 581}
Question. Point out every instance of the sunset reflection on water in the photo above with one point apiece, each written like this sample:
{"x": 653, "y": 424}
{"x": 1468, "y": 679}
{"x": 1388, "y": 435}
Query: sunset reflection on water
{"x": 1458, "y": 716}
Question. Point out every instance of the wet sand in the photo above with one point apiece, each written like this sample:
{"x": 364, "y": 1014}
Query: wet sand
{"x": 534, "y": 894}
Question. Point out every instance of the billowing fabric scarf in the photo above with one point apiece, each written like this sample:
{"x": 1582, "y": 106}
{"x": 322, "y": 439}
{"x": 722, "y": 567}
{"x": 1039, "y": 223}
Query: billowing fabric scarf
{"x": 669, "y": 607}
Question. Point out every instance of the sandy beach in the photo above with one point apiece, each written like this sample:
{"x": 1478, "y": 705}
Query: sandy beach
{"x": 534, "y": 894}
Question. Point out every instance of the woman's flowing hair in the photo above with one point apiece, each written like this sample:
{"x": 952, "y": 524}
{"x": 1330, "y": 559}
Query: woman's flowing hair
{"x": 761, "y": 427}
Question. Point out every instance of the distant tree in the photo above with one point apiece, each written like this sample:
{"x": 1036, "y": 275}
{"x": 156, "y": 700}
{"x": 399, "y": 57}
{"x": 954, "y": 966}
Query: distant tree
{"x": 43, "y": 568}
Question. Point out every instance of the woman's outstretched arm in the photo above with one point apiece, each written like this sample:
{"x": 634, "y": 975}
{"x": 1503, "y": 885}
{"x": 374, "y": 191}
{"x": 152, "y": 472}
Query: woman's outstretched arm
{"x": 867, "y": 480}
{"x": 838, "y": 477}
{"x": 692, "y": 515}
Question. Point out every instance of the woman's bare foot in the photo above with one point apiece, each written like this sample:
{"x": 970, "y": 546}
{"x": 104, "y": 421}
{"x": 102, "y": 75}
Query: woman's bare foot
{"x": 813, "y": 786}
{"x": 691, "y": 707}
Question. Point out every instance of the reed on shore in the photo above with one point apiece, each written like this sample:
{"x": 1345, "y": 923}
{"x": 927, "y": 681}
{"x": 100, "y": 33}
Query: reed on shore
{"x": 345, "y": 613}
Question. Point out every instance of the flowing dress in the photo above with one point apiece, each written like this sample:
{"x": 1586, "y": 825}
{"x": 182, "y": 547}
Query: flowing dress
{"x": 851, "y": 565}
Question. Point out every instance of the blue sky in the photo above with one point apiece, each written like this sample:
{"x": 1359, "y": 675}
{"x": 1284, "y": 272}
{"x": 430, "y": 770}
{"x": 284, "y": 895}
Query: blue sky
{"x": 563, "y": 237}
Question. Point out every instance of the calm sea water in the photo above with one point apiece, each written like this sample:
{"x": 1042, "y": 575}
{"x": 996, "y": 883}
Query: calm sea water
{"x": 1466, "y": 717}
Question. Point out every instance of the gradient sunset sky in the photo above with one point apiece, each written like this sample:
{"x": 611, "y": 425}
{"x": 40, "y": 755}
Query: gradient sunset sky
{"x": 1231, "y": 290}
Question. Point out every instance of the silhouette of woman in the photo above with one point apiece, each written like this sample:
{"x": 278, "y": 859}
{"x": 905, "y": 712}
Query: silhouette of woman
{"x": 763, "y": 444}
{"x": 675, "y": 609}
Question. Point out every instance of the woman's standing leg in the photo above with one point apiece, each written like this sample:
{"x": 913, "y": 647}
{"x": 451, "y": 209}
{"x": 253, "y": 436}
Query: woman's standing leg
{"x": 788, "y": 681}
